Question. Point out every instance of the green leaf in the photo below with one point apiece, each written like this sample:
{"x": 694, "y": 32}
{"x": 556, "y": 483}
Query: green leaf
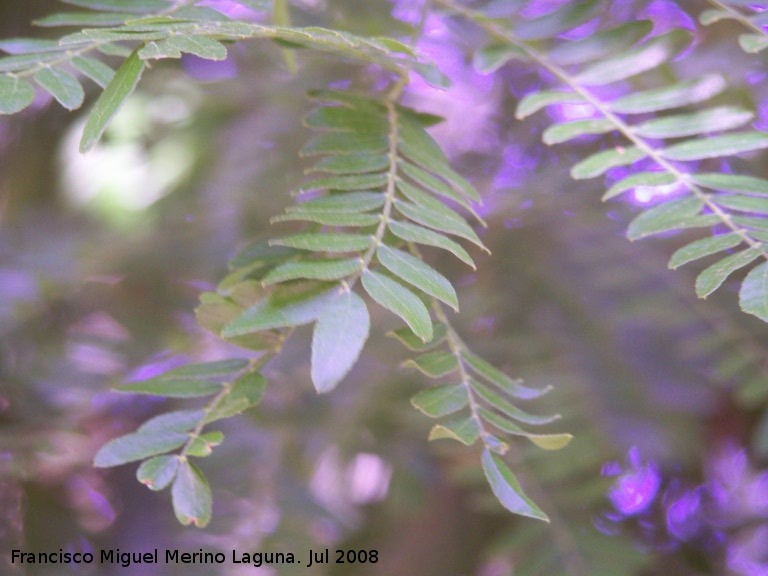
{"x": 23, "y": 62}
{"x": 137, "y": 446}
{"x": 674, "y": 96}
{"x": 434, "y": 364}
{"x": 94, "y": 69}
{"x": 207, "y": 369}
{"x": 406, "y": 337}
{"x": 507, "y": 489}
{"x": 399, "y": 300}
{"x": 413, "y": 233}
{"x": 704, "y": 247}
{"x": 640, "y": 179}
{"x": 491, "y": 58}
{"x": 62, "y": 86}
{"x": 84, "y": 19}
{"x": 158, "y": 472}
{"x": 756, "y": 204}
{"x": 339, "y": 336}
{"x": 567, "y": 16}
{"x": 427, "y": 217}
{"x": 753, "y": 296}
{"x": 326, "y": 242}
{"x": 274, "y": 313}
{"x": 200, "y": 46}
{"x": 432, "y": 75}
{"x": 717, "y": 146}
{"x": 534, "y": 102}
{"x": 344, "y": 143}
{"x": 601, "y": 162}
{"x": 711, "y": 16}
{"x": 753, "y": 43}
{"x": 646, "y": 57}
{"x": 464, "y": 429}
{"x": 245, "y": 392}
{"x": 596, "y": 46}
{"x": 732, "y": 183}
{"x": 501, "y": 380}
{"x": 345, "y": 182}
{"x": 417, "y": 273}
{"x": 122, "y": 85}
{"x": 441, "y": 400}
{"x": 172, "y": 387}
{"x": 29, "y": 46}
{"x": 671, "y": 215}
{"x": 136, "y": 6}
{"x": 352, "y": 164}
{"x": 418, "y": 146}
{"x": 435, "y": 185}
{"x": 711, "y": 278}
{"x": 15, "y": 94}
{"x": 191, "y": 495}
{"x": 501, "y": 404}
{"x": 422, "y": 198}
{"x": 566, "y": 131}
{"x": 351, "y": 202}
{"x": 314, "y": 270}
{"x": 202, "y": 446}
{"x": 712, "y": 120}
{"x": 330, "y": 218}
{"x": 545, "y": 441}
{"x": 178, "y": 421}
{"x": 368, "y": 119}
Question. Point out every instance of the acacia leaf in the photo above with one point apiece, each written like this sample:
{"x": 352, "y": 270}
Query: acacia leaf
{"x": 563, "y": 132}
{"x": 464, "y": 429}
{"x": 532, "y": 103}
{"x": 601, "y": 162}
{"x": 417, "y": 273}
{"x": 711, "y": 120}
{"x": 15, "y": 94}
{"x": 732, "y": 183}
{"x": 645, "y": 57}
{"x": 137, "y": 446}
{"x": 507, "y": 489}
{"x": 191, "y": 494}
{"x": 314, "y": 270}
{"x": 246, "y": 391}
{"x": 441, "y": 400}
{"x": 753, "y": 296}
{"x": 672, "y": 215}
{"x": 62, "y": 86}
{"x": 420, "y": 235}
{"x": 398, "y": 299}
{"x": 326, "y": 242}
{"x": 651, "y": 179}
{"x": 674, "y": 96}
{"x": 717, "y": 146}
{"x": 434, "y": 364}
{"x": 339, "y": 336}
{"x": 704, "y": 247}
{"x": 94, "y": 69}
{"x": 711, "y": 278}
{"x": 109, "y": 103}
{"x": 158, "y": 472}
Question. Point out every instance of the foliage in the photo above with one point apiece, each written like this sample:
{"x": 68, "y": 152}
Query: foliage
{"x": 382, "y": 190}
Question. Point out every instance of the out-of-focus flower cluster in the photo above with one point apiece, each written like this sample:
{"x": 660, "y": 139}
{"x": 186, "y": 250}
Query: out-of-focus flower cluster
{"x": 724, "y": 519}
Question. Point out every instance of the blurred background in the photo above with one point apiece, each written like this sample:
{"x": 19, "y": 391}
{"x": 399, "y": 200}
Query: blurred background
{"x": 102, "y": 259}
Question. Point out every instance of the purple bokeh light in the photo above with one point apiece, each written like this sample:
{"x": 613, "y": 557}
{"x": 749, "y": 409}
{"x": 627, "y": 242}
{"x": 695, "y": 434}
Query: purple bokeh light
{"x": 636, "y": 488}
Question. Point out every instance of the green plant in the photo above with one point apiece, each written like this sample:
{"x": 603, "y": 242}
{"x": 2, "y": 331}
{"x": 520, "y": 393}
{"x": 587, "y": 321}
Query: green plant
{"x": 385, "y": 188}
